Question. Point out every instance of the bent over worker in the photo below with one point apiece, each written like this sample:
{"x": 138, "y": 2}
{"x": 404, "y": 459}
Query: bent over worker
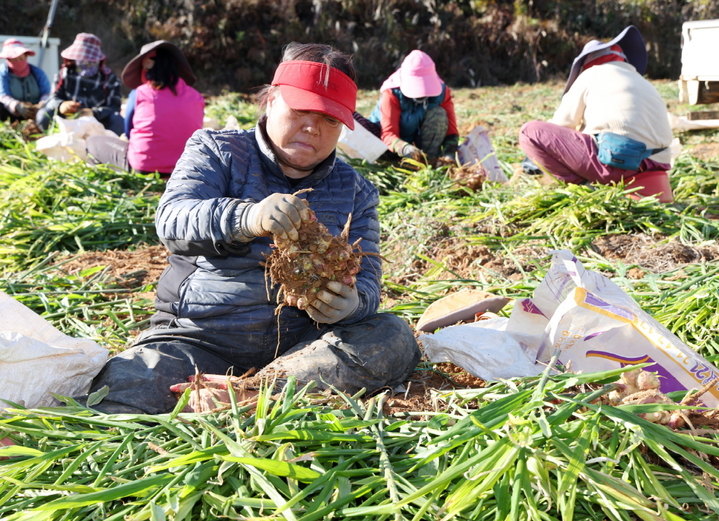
{"x": 415, "y": 113}
{"x": 605, "y": 92}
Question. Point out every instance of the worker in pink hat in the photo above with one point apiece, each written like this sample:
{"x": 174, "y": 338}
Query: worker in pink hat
{"x": 85, "y": 82}
{"x": 22, "y": 86}
{"x": 231, "y": 191}
{"x": 607, "y": 107}
{"x": 415, "y": 113}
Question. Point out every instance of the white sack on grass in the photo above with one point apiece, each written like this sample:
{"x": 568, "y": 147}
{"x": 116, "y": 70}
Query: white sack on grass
{"x": 37, "y": 359}
{"x": 595, "y": 325}
{"x": 483, "y": 349}
{"x": 360, "y": 143}
{"x": 69, "y": 143}
{"x": 477, "y": 148}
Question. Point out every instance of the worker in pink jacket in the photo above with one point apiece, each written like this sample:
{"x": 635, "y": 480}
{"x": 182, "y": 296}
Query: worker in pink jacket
{"x": 161, "y": 114}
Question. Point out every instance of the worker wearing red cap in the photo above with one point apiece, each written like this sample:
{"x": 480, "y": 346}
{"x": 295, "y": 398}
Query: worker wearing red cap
{"x": 230, "y": 191}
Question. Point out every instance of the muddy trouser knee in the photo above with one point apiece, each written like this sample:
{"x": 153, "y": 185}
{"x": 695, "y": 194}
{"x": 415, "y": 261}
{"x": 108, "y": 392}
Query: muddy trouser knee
{"x": 433, "y": 131}
{"x": 379, "y": 351}
{"x": 139, "y": 378}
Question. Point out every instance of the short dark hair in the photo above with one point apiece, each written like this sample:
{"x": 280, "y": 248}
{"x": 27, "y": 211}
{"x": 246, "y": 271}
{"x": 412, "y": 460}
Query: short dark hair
{"x": 165, "y": 72}
{"x": 312, "y": 52}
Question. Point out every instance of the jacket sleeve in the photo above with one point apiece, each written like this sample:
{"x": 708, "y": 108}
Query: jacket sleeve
{"x": 195, "y": 215}
{"x": 390, "y": 113}
{"x": 113, "y": 99}
{"x": 570, "y": 112}
{"x": 60, "y": 93}
{"x": 6, "y": 99}
{"x": 365, "y": 225}
{"x": 451, "y": 140}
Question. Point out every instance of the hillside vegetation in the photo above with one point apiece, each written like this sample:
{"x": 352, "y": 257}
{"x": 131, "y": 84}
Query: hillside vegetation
{"x": 235, "y": 44}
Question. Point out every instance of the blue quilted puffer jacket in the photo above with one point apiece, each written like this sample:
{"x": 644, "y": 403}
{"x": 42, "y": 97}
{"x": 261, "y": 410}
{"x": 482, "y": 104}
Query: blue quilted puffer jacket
{"x": 215, "y": 287}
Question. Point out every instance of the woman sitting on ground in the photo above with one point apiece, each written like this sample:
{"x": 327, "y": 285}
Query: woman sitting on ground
{"x": 605, "y": 92}
{"x": 161, "y": 114}
{"x": 229, "y": 193}
{"x": 84, "y": 83}
{"x": 22, "y": 85}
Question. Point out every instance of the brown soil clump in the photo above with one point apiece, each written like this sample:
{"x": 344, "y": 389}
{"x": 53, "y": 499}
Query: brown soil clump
{"x": 651, "y": 255}
{"x": 129, "y": 269}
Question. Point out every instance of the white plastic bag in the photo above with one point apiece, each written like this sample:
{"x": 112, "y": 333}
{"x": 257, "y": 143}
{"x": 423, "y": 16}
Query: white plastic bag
{"x": 37, "y": 359}
{"x": 69, "y": 143}
{"x": 484, "y": 349}
{"x": 595, "y": 326}
{"x": 360, "y": 143}
{"x": 477, "y": 148}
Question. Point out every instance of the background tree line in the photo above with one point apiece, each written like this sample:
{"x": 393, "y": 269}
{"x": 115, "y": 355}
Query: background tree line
{"x": 236, "y": 44}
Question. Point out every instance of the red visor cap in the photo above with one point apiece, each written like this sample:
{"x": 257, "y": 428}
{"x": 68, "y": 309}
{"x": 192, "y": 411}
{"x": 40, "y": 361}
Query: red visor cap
{"x": 304, "y": 86}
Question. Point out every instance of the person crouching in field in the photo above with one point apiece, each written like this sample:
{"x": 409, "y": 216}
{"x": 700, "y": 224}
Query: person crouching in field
{"x": 415, "y": 113}
{"x": 84, "y": 83}
{"x": 22, "y": 85}
{"x": 162, "y": 112}
{"x": 230, "y": 191}
{"x": 611, "y": 123}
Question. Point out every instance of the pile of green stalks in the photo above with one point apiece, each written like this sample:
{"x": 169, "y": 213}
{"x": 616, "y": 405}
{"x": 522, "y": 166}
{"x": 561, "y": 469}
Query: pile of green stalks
{"x": 525, "y": 449}
{"x": 48, "y": 206}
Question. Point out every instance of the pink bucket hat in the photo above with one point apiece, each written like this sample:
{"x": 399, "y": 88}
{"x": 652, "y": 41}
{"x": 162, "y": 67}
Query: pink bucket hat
{"x": 86, "y": 47}
{"x": 418, "y": 76}
{"x": 12, "y": 48}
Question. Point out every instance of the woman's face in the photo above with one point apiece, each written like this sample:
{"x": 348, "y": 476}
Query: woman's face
{"x": 301, "y": 139}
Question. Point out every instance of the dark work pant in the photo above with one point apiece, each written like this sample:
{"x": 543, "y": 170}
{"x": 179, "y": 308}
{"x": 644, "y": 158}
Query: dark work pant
{"x": 376, "y": 352}
{"x": 433, "y": 131}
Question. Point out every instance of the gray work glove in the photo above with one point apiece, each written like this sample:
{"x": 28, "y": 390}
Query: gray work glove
{"x": 412, "y": 152}
{"x": 277, "y": 214}
{"x": 335, "y": 303}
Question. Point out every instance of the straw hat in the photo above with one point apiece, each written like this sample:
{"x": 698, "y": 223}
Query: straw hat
{"x": 12, "y": 48}
{"x": 85, "y": 48}
{"x": 631, "y": 42}
{"x": 132, "y": 73}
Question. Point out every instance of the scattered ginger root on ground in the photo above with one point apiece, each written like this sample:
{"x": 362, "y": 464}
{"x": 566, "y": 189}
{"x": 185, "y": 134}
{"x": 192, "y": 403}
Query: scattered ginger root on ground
{"x": 640, "y": 387}
{"x": 211, "y": 393}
